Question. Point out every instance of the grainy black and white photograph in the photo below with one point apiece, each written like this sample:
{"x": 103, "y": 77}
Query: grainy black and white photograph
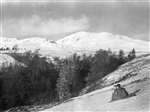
{"x": 74, "y": 56}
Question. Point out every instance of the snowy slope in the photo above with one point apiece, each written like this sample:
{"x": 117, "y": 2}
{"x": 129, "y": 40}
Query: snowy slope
{"x": 98, "y": 101}
{"x": 137, "y": 69}
{"x": 134, "y": 70}
{"x": 6, "y": 60}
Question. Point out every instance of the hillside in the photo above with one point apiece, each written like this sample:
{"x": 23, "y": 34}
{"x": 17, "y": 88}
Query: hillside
{"x": 7, "y": 60}
{"x": 80, "y": 42}
{"x": 134, "y": 76}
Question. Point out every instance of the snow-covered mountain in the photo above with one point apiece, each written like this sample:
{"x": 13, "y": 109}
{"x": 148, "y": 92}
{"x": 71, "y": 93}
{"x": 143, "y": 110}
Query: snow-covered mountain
{"x": 84, "y": 41}
{"x": 44, "y": 46}
{"x": 80, "y": 42}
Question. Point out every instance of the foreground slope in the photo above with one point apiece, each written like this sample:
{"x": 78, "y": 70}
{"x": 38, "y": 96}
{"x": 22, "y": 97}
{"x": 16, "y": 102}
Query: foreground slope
{"x": 97, "y": 101}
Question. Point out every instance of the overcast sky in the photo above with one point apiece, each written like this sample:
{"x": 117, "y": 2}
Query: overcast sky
{"x": 54, "y": 20}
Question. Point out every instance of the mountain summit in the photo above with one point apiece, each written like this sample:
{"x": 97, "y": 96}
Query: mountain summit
{"x": 94, "y": 41}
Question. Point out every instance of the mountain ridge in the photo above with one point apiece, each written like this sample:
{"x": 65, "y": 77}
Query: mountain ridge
{"x": 80, "y": 42}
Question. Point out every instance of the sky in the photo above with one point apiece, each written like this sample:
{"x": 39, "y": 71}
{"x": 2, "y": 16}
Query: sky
{"x": 55, "y": 19}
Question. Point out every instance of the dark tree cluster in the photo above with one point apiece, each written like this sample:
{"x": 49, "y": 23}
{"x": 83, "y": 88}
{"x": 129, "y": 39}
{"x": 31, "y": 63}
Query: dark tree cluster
{"x": 73, "y": 73}
{"x": 34, "y": 83}
{"x": 105, "y": 62}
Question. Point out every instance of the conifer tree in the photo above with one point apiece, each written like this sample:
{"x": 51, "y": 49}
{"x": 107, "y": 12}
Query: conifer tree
{"x": 132, "y": 54}
{"x": 121, "y": 57}
{"x": 63, "y": 89}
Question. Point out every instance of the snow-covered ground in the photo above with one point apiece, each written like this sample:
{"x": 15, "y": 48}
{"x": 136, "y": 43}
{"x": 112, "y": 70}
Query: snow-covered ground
{"x": 98, "y": 100}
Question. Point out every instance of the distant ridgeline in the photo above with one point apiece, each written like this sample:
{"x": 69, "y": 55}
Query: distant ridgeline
{"x": 11, "y": 50}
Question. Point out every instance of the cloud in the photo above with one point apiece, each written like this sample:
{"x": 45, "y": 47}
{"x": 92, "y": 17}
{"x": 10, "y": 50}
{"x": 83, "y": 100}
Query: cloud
{"x": 143, "y": 36}
{"x": 42, "y": 1}
{"x": 25, "y": 18}
{"x": 16, "y": 1}
{"x": 36, "y": 26}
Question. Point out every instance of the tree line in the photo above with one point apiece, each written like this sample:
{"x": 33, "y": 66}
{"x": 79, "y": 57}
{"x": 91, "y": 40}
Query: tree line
{"x": 41, "y": 81}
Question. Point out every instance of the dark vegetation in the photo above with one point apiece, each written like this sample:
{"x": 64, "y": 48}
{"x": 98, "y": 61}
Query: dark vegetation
{"x": 40, "y": 81}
